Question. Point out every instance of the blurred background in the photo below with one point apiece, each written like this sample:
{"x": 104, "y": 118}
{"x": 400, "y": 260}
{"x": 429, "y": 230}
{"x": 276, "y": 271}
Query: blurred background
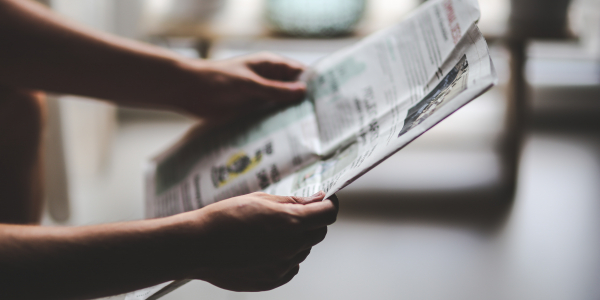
{"x": 499, "y": 201}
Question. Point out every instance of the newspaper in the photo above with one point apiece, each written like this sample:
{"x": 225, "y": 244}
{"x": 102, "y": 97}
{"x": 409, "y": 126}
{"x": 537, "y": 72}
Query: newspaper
{"x": 364, "y": 103}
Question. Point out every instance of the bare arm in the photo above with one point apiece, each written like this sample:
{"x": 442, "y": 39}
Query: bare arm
{"x": 249, "y": 243}
{"x": 40, "y": 50}
{"x": 74, "y": 263}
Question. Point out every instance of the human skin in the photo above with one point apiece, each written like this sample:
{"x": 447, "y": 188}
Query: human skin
{"x": 248, "y": 243}
{"x": 41, "y": 51}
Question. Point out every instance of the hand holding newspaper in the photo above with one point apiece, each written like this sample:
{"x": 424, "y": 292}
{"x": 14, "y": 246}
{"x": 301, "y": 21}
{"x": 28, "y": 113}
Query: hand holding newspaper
{"x": 364, "y": 103}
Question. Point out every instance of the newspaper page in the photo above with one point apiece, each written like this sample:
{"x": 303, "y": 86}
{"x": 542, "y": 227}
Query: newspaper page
{"x": 364, "y": 103}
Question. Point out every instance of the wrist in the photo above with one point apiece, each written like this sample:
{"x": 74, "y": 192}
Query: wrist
{"x": 186, "y": 238}
{"x": 193, "y": 85}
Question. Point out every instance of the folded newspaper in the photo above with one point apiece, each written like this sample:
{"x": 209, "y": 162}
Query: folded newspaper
{"x": 364, "y": 103}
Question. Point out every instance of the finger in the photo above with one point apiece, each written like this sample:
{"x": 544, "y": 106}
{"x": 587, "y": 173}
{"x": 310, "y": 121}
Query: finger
{"x": 271, "y": 66}
{"x": 275, "y": 198}
{"x": 292, "y": 199}
{"x": 335, "y": 201}
{"x": 301, "y": 243}
{"x": 314, "y": 237}
{"x": 277, "y": 271}
{"x": 249, "y": 279}
{"x": 279, "y": 91}
{"x": 265, "y": 285}
{"x": 316, "y": 215}
{"x": 280, "y": 71}
{"x": 289, "y": 276}
{"x": 301, "y": 257}
{"x": 319, "y": 196}
{"x": 295, "y": 246}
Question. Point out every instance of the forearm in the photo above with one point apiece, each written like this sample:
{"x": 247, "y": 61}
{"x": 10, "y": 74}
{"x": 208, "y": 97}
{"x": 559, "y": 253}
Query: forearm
{"x": 253, "y": 242}
{"x": 42, "y": 51}
{"x": 93, "y": 261}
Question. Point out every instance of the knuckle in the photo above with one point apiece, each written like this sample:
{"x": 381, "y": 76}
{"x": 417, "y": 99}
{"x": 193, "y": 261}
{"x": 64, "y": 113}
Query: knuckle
{"x": 292, "y": 254}
{"x": 296, "y": 199}
{"x": 305, "y": 255}
{"x": 268, "y": 55}
{"x": 251, "y": 84}
{"x": 279, "y": 220}
{"x": 322, "y": 236}
{"x": 25, "y": 102}
{"x": 272, "y": 276}
{"x": 269, "y": 286}
{"x": 291, "y": 250}
{"x": 259, "y": 195}
{"x": 28, "y": 109}
{"x": 291, "y": 199}
{"x": 322, "y": 232}
{"x": 283, "y": 254}
{"x": 274, "y": 273}
{"x": 288, "y": 221}
{"x": 333, "y": 217}
{"x": 220, "y": 79}
{"x": 292, "y": 217}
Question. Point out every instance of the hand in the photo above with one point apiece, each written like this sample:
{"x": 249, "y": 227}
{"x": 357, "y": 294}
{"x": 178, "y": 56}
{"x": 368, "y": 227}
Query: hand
{"x": 256, "y": 242}
{"x": 238, "y": 86}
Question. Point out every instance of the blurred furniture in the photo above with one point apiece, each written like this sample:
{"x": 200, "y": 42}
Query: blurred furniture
{"x": 314, "y": 18}
{"x": 164, "y": 16}
{"x": 563, "y": 78}
{"x": 529, "y": 19}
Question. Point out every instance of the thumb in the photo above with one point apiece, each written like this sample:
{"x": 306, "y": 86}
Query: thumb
{"x": 279, "y": 91}
{"x": 271, "y": 66}
{"x": 316, "y": 215}
{"x": 319, "y": 196}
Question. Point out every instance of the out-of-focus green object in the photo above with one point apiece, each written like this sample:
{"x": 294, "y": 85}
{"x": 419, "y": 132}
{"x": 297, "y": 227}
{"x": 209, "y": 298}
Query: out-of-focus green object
{"x": 315, "y": 17}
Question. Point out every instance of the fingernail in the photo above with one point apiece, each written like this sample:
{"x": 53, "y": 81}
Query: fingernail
{"x": 319, "y": 193}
